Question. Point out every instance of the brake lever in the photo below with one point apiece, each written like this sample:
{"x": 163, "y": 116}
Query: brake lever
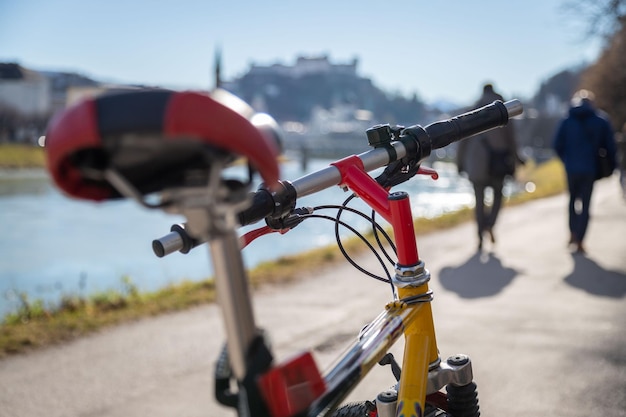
{"x": 428, "y": 171}
{"x": 290, "y": 221}
{"x": 398, "y": 172}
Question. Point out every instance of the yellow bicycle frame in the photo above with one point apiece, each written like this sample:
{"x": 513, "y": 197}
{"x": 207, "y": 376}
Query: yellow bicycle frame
{"x": 420, "y": 351}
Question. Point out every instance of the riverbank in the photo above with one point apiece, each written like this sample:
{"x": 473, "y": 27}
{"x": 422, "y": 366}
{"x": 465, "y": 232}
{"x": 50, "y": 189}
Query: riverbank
{"x": 34, "y": 325}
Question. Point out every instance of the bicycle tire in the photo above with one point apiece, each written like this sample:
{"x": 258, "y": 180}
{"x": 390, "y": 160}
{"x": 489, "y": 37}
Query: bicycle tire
{"x": 368, "y": 409}
{"x": 356, "y": 409}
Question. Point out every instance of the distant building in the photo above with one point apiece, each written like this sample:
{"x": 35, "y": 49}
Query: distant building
{"x": 60, "y": 85}
{"x": 24, "y": 91}
{"x": 306, "y": 66}
{"x": 30, "y": 93}
{"x": 28, "y": 98}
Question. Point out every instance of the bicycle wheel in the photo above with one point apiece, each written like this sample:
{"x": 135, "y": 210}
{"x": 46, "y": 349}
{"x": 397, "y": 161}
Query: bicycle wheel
{"x": 368, "y": 409}
{"x": 358, "y": 409}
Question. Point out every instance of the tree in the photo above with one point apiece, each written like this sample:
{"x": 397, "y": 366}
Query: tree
{"x": 607, "y": 79}
{"x": 602, "y": 17}
{"x": 607, "y": 76}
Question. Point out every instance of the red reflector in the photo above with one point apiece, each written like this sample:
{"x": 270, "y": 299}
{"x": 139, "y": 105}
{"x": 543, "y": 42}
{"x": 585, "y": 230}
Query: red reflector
{"x": 292, "y": 386}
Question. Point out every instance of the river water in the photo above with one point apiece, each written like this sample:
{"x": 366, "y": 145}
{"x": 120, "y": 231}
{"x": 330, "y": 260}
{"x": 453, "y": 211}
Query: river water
{"x": 51, "y": 245}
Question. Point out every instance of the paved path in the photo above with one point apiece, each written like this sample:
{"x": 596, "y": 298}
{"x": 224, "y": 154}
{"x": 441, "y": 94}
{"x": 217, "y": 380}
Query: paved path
{"x": 546, "y": 329}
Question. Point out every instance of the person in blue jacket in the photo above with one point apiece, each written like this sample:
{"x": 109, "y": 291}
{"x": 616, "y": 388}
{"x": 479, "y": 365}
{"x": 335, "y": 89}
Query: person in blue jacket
{"x": 576, "y": 142}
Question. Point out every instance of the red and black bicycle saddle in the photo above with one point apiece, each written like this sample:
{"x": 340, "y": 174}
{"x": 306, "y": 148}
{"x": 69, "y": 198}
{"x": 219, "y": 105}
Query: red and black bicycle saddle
{"x": 154, "y": 138}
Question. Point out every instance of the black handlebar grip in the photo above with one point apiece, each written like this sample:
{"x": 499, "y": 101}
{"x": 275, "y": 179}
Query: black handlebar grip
{"x": 266, "y": 204}
{"x": 440, "y": 134}
{"x": 496, "y": 114}
{"x": 262, "y": 206}
{"x": 468, "y": 124}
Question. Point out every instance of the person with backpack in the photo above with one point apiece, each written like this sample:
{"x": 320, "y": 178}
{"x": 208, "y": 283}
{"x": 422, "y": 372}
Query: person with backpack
{"x": 581, "y": 138}
{"x": 487, "y": 159}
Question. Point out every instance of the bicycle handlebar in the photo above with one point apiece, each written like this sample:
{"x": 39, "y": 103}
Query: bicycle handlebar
{"x": 414, "y": 142}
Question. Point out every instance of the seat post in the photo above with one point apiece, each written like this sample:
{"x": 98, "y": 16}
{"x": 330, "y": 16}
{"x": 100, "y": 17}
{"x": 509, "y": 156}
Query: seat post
{"x": 234, "y": 298}
{"x": 211, "y": 214}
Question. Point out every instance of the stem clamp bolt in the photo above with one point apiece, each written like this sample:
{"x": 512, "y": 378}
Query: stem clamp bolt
{"x": 458, "y": 360}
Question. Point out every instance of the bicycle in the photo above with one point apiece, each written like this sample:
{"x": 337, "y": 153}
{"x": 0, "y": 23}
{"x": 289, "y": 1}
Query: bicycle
{"x": 168, "y": 150}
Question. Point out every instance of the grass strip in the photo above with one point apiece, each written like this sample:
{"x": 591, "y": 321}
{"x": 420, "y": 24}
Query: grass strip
{"x": 18, "y": 156}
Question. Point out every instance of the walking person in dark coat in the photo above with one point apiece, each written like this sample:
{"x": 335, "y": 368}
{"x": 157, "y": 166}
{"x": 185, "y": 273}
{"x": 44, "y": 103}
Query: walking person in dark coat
{"x": 576, "y": 142}
{"x": 473, "y": 159}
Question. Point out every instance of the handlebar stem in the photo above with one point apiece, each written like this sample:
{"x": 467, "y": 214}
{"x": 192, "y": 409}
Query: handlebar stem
{"x": 394, "y": 208}
{"x": 363, "y": 185}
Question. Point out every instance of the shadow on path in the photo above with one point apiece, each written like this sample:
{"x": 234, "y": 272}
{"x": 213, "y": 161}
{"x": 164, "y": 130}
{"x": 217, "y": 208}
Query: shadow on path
{"x": 591, "y": 277}
{"x": 482, "y": 275}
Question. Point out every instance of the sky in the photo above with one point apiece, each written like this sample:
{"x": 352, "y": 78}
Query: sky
{"x": 439, "y": 50}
